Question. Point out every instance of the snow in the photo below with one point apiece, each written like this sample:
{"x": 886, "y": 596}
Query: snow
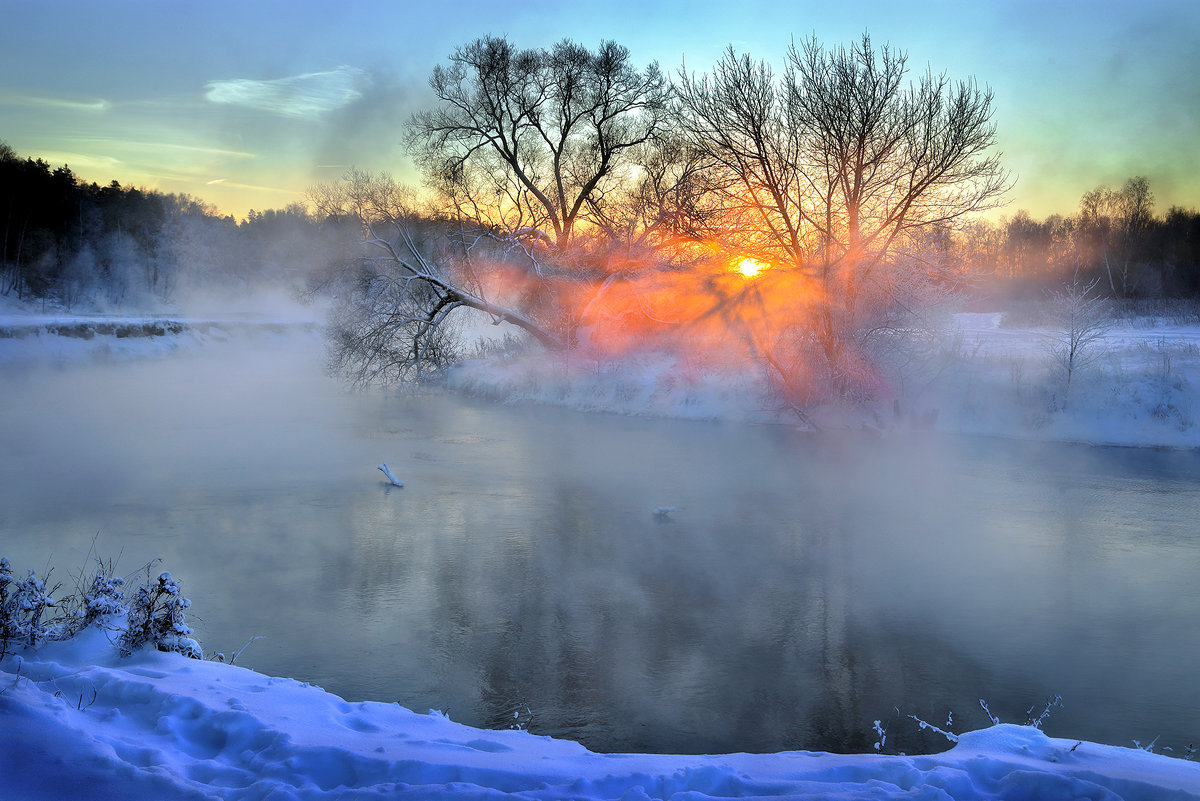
{"x": 982, "y": 378}
{"x": 34, "y": 337}
{"x": 77, "y": 720}
{"x": 59, "y": 341}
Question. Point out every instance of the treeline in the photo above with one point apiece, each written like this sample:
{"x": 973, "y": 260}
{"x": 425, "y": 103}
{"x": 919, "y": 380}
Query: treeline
{"x": 79, "y": 244}
{"x": 1114, "y": 239}
{"x": 82, "y": 244}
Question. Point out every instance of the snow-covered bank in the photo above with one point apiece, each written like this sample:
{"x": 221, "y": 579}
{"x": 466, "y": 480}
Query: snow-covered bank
{"x": 78, "y": 721}
{"x": 59, "y": 340}
{"x": 1139, "y": 387}
{"x": 32, "y": 336}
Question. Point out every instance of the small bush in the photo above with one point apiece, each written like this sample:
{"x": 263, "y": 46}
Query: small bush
{"x": 153, "y": 616}
{"x": 156, "y": 616}
{"x": 22, "y": 604}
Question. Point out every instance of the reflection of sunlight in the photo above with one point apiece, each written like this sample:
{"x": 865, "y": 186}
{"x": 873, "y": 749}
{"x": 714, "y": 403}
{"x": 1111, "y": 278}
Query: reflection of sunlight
{"x": 750, "y": 267}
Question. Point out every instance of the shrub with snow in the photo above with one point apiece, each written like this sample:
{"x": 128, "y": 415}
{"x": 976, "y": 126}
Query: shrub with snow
{"x": 22, "y": 604}
{"x": 153, "y": 616}
{"x": 156, "y": 616}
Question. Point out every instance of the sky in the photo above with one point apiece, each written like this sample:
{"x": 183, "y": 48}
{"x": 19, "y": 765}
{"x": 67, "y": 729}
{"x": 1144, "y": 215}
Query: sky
{"x": 248, "y": 104}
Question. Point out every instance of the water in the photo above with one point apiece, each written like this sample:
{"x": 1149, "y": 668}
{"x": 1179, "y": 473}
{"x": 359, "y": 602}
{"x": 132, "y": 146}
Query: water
{"x": 804, "y": 587}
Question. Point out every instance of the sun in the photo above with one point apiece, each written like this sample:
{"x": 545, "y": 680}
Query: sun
{"x": 750, "y": 267}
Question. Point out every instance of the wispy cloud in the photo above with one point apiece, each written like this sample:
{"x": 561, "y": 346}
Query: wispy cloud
{"x": 87, "y": 162}
{"x": 225, "y": 182}
{"x": 144, "y": 147}
{"x": 309, "y": 95}
{"x": 13, "y": 99}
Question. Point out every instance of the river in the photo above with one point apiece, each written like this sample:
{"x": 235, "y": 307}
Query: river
{"x": 803, "y": 587}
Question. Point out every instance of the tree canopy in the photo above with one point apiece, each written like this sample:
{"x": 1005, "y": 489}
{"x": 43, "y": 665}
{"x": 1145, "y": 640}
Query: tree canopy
{"x": 531, "y": 142}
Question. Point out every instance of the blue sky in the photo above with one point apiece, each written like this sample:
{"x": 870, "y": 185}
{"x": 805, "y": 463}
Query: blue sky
{"x": 246, "y": 104}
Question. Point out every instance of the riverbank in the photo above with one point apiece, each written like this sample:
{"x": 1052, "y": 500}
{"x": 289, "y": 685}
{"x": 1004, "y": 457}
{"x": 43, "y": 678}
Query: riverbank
{"x": 987, "y": 374}
{"x": 77, "y": 720}
{"x": 981, "y": 376}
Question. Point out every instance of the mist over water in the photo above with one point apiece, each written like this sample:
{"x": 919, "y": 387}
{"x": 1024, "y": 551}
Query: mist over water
{"x": 804, "y": 587}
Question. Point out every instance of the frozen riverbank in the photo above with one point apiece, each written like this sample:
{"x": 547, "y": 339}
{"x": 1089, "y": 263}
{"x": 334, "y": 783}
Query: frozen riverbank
{"x": 28, "y": 341}
{"x": 1138, "y": 387}
{"x": 77, "y": 720}
{"x": 979, "y": 376}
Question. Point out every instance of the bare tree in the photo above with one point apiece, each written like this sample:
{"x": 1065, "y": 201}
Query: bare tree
{"x": 826, "y": 170}
{"x": 1083, "y": 318}
{"x": 1114, "y": 219}
{"x": 553, "y": 181}
{"x": 396, "y": 301}
{"x": 530, "y": 142}
{"x": 559, "y": 164}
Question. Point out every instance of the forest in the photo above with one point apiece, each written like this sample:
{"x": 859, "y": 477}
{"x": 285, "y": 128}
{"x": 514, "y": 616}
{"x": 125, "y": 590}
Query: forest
{"x": 69, "y": 242}
{"x": 76, "y": 245}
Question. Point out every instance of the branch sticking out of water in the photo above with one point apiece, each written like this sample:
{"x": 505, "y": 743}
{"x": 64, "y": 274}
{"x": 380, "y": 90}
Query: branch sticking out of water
{"x": 387, "y": 472}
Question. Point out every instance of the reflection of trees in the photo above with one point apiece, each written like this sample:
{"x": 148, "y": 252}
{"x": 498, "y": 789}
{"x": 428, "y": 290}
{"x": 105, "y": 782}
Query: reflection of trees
{"x": 632, "y": 635}
{"x": 785, "y": 607}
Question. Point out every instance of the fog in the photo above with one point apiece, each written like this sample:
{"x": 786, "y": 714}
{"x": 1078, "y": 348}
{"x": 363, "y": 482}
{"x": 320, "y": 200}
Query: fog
{"x": 804, "y": 586}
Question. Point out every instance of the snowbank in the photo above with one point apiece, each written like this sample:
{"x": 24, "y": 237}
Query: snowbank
{"x": 39, "y": 341}
{"x": 78, "y": 721}
{"x": 982, "y": 378}
{"x": 32, "y": 336}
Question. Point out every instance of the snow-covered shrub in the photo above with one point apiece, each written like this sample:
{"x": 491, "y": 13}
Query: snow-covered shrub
{"x": 928, "y": 733}
{"x": 22, "y": 604}
{"x": 156, "y": 616}
{"x": 104, "y": 598}
{"x": 153, "y": 616}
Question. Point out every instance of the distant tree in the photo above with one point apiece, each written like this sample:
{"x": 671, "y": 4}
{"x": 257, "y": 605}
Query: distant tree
{"x": 79, "y": 277}
{"x": 77, "y": 243}
{"x": 1083, "y": 317}
{"x": 1040, "y": 252}
{"x": 1176, "y": 241}
{"x": 1115, "y": 221}
{"x": 25, "y": 185}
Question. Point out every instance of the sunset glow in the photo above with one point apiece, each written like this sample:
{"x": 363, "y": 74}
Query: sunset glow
{"x": 750, "y": 267}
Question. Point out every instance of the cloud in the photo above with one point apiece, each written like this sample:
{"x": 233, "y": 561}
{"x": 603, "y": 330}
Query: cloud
{"x": 311, "y": 94}
{"x": 143, "y": 147}
{"x": 226, "y": 183}
{"x": 12, "y": 99}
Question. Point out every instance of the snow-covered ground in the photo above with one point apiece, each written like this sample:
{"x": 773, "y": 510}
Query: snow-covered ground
{"x": 77, "y": 721}
{"x": 1138, "y": 386}
{"x": 30, "y": 337}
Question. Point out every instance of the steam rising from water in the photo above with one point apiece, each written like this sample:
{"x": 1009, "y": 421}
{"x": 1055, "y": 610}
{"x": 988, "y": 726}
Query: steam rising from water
{"x": 804, "y": 587}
